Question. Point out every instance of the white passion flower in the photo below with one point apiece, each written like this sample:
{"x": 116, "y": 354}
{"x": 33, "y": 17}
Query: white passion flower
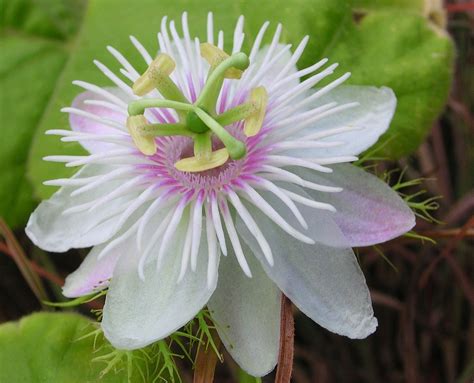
{"x": 210, "y": 153}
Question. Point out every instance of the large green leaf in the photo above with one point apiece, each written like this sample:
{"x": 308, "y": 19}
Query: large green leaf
{"x": 50, "y": 19}
{"x": 400, "y": 49}
{"x": 405, "y": 52}
{"x": 33, "y": 42}
{"x": 55, "y": 348}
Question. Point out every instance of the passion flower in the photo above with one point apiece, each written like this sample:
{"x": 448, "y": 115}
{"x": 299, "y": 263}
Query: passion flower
{"x": 210, "y": 153}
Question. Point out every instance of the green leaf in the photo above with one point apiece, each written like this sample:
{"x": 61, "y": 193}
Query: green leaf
{"x": 400, "y": 49}
{"x": 54, "y": 348}
{"x": 33, "y": 42}
{"x": 371, "y": 5}
{"x": 42, "y": 18}
{"x": 405, "y": 52}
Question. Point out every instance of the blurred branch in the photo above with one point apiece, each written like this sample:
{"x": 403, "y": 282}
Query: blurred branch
{"x": 463, "y": 7}
{"x": 206, "y": 361}
{"x": 287, "y": 340}
{"x": 461, "y": 277}
{"x": 14, "y": 249}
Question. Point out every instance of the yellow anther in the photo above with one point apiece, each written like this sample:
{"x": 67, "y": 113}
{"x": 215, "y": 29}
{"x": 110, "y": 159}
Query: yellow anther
{"x": 195, "y": 164}
{"x": 146, "y": 144}
{"x": 161, "y": 67}
{"x": 254, "y": 122}
{"x": 214, "y": 56}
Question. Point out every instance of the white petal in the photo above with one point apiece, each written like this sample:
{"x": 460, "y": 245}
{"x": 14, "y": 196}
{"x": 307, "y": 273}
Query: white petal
{"x": 264, "y": 72}
{"x": 368, "y": 210}
{"x": 98, "y": 267}
{"x": 325, "y": 283}
{"x": 322, "y": 226}
{"x": 92, "y": 275}
{"x": 87, "y": 125}
{"x": 139, "y": 312}
{"x": 52, "y": 230}
{"x": 372, "y": 118}
{"x": 247, "y": 315}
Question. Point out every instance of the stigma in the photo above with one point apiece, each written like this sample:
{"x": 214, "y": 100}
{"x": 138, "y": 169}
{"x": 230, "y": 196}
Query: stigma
{"x": 198, "y": 120}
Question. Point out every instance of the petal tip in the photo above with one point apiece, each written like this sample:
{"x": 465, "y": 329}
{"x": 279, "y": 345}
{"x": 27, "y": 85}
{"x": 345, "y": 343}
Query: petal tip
{"x": 366, "y": 327}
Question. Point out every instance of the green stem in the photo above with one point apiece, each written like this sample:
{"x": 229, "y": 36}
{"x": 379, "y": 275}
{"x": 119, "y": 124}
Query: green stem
{"x": 169, "y": 89}
{"x": 235, "y": 147}
{"x": 208, "y": 97}
{"x": 138, "y": 107}
{"x": 238, "y": 113}
{"x": 157, "y": 130}
{"x": 202, "y": 145}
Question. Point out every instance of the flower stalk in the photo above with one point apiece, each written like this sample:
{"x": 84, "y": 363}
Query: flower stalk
{"x": 287, "y": 342}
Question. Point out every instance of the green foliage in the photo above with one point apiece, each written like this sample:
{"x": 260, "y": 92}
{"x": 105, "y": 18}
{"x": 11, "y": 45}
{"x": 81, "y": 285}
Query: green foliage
{"x": 422, "y": 207}
{"x": 48, "y": 46}
{"x": 50, "y": 19}
{"x": 371, "y": 5}
{"x": 403, "y": 51}
{"x": 155, "y": 363}
{"x": 34, "y": 37}
{"x": 65, "y": 347}
{"x": 205, "y": 326}
{"x": 52, "y": 347}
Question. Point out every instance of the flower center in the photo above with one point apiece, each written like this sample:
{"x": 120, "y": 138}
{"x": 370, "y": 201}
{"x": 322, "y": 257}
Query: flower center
{"x": 198, "y": 121}
{"x": 171, "y": 151}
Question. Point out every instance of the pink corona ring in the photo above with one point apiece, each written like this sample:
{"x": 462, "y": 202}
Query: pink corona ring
{"x": 220, "y": 177}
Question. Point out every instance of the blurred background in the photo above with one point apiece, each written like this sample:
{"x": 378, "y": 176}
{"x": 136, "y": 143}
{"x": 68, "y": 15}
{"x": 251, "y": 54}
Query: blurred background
{"x": 421, "y": 284}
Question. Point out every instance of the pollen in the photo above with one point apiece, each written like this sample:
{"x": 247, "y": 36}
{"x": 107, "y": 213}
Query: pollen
{"x": 254, "y": 122}
{"x": 202, "y": 163}
{"x": 145, "y": 144}
{"x": 214, "y": 56}
{"x": 161, "y": 67}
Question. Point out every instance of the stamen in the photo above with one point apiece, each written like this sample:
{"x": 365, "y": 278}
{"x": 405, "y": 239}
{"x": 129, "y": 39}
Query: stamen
{"x": 161, "y": 130}
{"x": 235, "y": 147}
{"x": 196, "y": 164}
{"x": 158, "y": 76}
{"x": 238, "y": 113}
{"x": 215, "y": 56}
{"x": 203, "y": 147}
{"x": 162, "y": 66}
{"x": 195, "y": 120}
{"x": 208, "y": 97}
{"x": 146, "y": 144}
{"x": 139, "y": 106}
{"x": 254, "y": 122}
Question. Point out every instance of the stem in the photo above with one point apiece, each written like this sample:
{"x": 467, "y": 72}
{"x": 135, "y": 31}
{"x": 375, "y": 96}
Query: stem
{"x": 23, "y": 263}
{"x": 208, "y": 97}
{"x": 202, "y": 146}
{"x": 58, "y": 281}
{"x": 169, "y": 90}
{"x": 138, "y": 107}
{"x": 235, "y": 147}
{"x": 287, "y": 338}
{"x": 464, "y": 7}
{"x": 158, "y": 130}
{"x": 238, "y": 113}
{"x": 206, "y": 361}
